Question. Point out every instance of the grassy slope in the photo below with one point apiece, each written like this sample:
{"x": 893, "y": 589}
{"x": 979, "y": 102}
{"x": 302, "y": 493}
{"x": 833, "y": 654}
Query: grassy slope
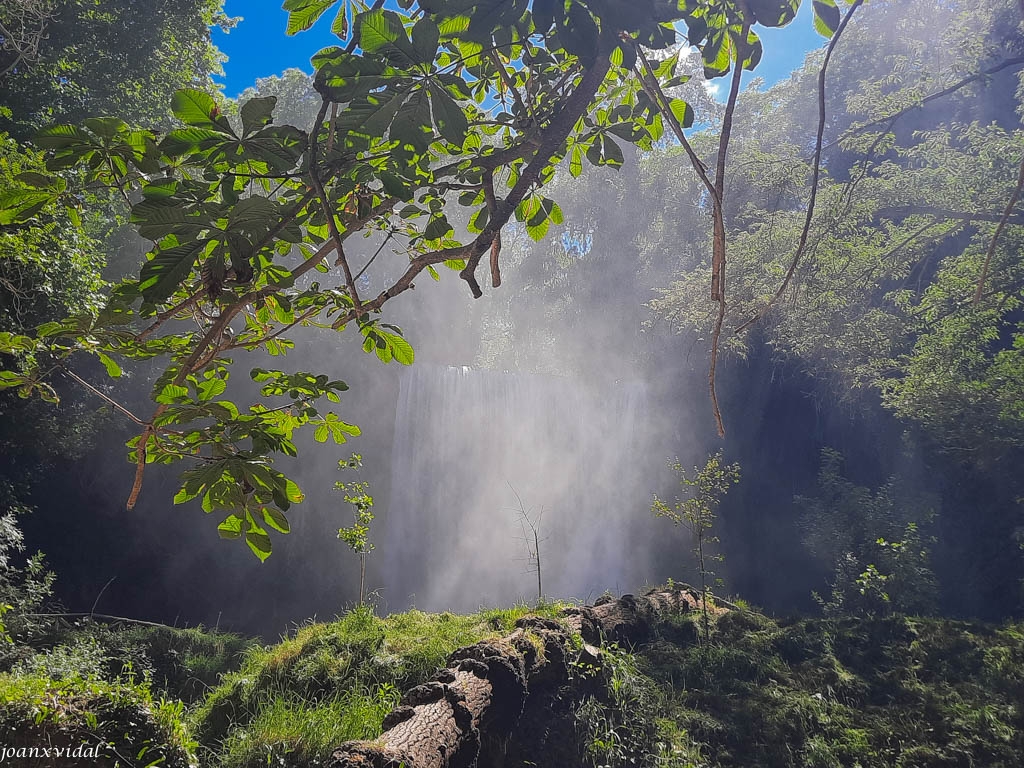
{"x": 893, "y": 691}
{"x": 292, "y": 703}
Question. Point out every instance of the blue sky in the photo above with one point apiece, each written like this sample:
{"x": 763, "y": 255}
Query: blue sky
{"x": 258, "y": 46}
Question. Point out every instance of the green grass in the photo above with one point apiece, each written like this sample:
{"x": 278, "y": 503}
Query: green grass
{"x": 894, "y": 691}
{"x": 297, "y": 700}
{"x": 815, "y": 693}
{"x": 132, "y": 727}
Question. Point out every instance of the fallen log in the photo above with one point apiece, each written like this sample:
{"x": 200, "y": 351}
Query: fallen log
{"x": 465, "y": 715}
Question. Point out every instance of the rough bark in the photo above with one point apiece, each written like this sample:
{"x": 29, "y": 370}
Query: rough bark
{"x": 465, "y": 715}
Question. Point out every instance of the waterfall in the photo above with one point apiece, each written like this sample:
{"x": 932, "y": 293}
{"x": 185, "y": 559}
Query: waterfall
{"x": 464, "y": 439}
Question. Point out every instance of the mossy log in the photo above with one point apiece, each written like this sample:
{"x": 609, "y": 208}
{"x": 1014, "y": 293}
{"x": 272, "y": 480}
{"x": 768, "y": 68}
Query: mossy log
{"x": 488, "y": 689}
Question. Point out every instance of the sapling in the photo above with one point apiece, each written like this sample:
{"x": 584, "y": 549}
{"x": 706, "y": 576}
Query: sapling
{"x": 357, "y": 535}
{"x": 531, "y": 537}
{"x": 704, "y": 490}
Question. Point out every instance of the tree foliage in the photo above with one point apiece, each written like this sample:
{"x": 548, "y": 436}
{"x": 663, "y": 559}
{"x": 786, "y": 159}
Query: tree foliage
{"x": 874, "y": 541}
{"x": 455, "y": 104}
{"x": 108, "y": 57}
{"x": 704, "y": 486}
{"x": 896, "y": 291}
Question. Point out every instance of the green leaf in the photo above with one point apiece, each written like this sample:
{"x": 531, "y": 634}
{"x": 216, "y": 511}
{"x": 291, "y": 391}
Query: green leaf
{"x": 401, "y": 349}
{"x": 184, "y": 140}
{"x": 682, "y": 112}
{"x": 168, "y": 268}
{"x": 12, "y": 342}
{"x": 425, "y": 37}
{"x": 292, "y": 491}
{"x": 210, "y": 388}
{"x": 61, "y": 137}
{"x": 113, "y": 369}
{"x": 576, "y": 161}
{"x": 256, "y": 113}
{"x": 276, "y": 520}
{"x": 41, "y": 181}
{"x": 194, "y": 107}
{"x": 303, "y": 14}
{"x": 230, "y": 528}
{"x": 257, "y": 539}
{"x": 612, "y": 152}
{"x": 448, "y": 116}
{"x": 379, "y": 28}
{"x": 437, "y": 228}
{"x": 773, "y": 13}
{"x": 19, "y": 205}
{"x": 395, "y": 187}
{"x": 826, "y": 17}
{"x": 340, "y": 25}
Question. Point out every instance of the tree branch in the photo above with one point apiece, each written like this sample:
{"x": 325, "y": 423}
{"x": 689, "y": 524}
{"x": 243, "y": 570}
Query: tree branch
{"x": 1016, "y": 61}
{"x": 999, "y": 230}
{"x": 332, "y": 225}
{"x": 718, "y": 252}
{"x": 816, "y": 172}
{"x": 103, "y": 396}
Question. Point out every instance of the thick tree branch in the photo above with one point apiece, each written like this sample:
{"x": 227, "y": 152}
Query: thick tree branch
{"x": 718, "y": 259}
{"x": 492, "y": 210}
{"x": 549, "y": 139}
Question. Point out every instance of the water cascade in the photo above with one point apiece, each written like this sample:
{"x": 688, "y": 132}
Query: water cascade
{"x": 451, "y": 538}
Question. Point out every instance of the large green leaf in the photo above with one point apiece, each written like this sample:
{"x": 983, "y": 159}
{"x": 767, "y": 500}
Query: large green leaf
{"x": 194, "y": 107}
{"x": 425, "y": 37}
{"x": 19, "y": 205}
{"x": 412, "y": 125}
{"x": 168, "y": 268}
{"x": 257, "y": 112}
{"x": 448, "y": 116}
{"x": 826, "y": 17}
{"x": 61, "y": 137}
{"x": 185, "y": 140}
{"x": 682, "y": 112}
{"x": 303, "y": 14}
{"x": 773, "y": 13}
{"x": 379, "y": 28}
{"x": 344, "y": 76}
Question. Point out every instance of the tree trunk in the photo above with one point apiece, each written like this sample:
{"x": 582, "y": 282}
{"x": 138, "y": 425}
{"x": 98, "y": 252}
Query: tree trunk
{"x": 468, "y": 711}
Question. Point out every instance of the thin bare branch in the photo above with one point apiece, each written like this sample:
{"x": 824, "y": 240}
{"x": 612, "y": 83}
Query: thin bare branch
{"x": 1016, "y": 61}
{"x": 815, "y": 173}
{"x": 332, "y": 225}
{"x": 103, "y": 396}
{"x": 999, "y": 230}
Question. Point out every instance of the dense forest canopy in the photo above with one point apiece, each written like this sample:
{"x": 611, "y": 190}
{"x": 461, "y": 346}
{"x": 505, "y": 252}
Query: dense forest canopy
{"x": 854, "y": 227}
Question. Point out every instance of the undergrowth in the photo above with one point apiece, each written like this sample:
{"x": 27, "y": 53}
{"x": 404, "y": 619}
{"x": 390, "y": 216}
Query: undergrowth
{"x": 291, "y": 703}
{"x": 121, "y": 720}
{"x": 881, "y": 692}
